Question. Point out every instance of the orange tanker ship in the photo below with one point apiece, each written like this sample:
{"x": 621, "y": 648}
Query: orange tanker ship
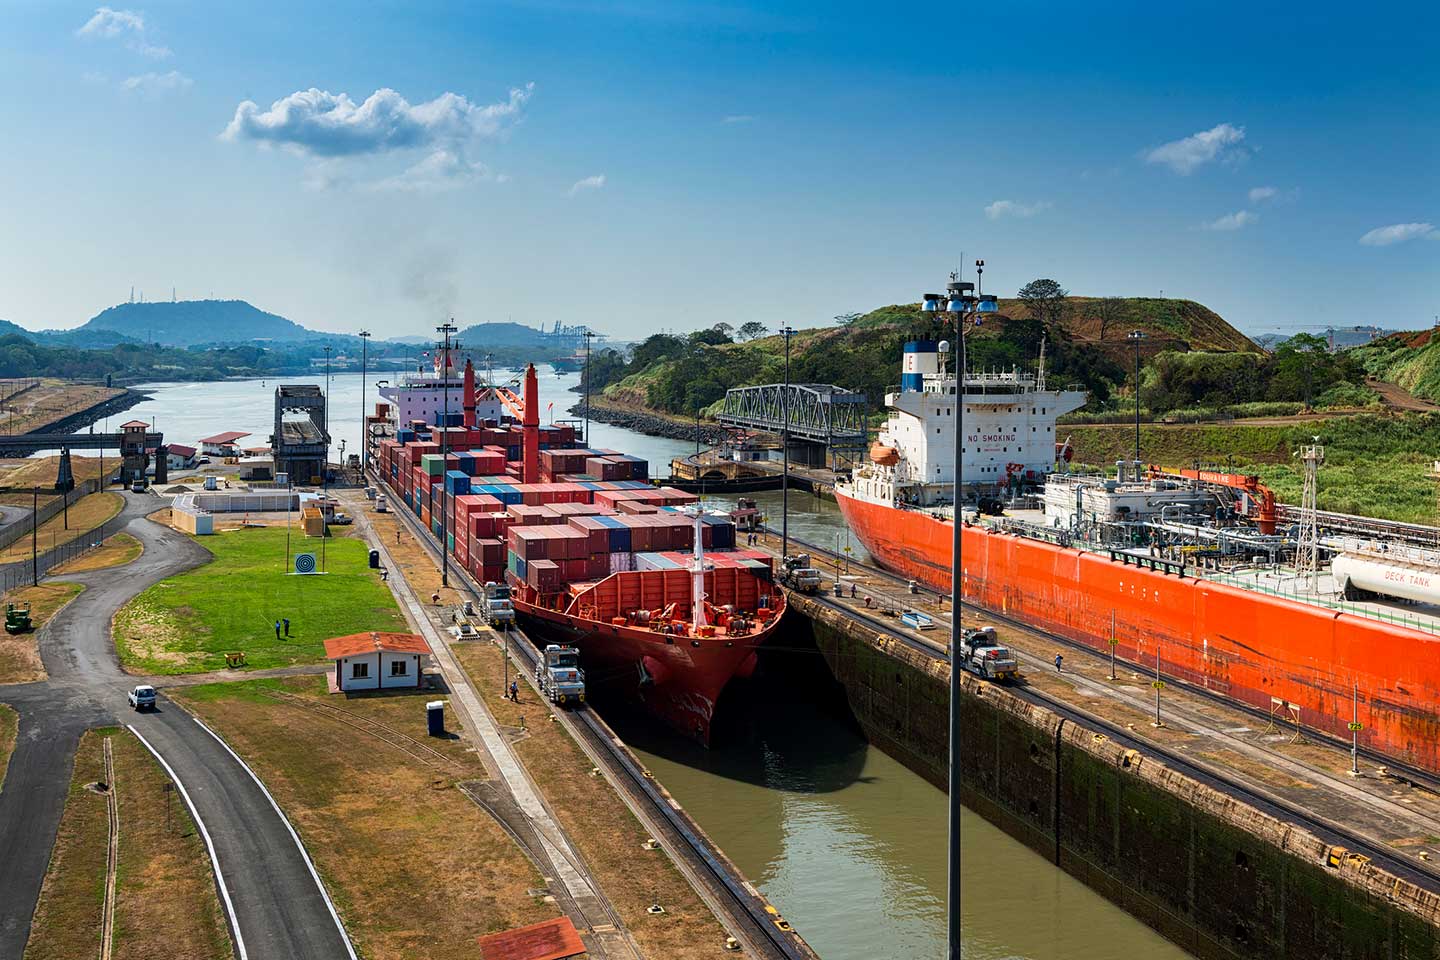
{"x": 1092, "y": 555}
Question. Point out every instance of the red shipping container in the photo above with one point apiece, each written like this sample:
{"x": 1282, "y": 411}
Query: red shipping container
{"x": 637, "y": 506}
{"x": 543, "y": 575}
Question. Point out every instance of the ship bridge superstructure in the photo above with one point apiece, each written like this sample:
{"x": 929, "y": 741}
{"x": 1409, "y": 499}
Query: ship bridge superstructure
{"x": 1009, "y": 430}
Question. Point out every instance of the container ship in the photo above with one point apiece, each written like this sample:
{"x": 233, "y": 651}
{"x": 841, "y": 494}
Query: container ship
{"x": 1323, "y": 620}
{"x": 651, "y": 588}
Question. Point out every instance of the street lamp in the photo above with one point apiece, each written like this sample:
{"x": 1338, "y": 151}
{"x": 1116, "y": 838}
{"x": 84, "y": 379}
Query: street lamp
{"x": 364, "y": 427}
{"x": 961, "y": 302}
{"x": 445, "y": 329}
{"x": 787, "y": 332}
{"x": 586, "y": 377}
{"x": 1136, "y": 337}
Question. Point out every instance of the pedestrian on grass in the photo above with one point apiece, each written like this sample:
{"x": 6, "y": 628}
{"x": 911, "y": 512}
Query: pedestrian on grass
{"x": 514, "y": 691}
{"x": 286, "y": 621}
{"x": 852, "y": 591}
{"x": 867, "y": 603}
{"x": 1058, "y": 660}
{"x": 277, "y": 629}
{"x": 435, "y": 598}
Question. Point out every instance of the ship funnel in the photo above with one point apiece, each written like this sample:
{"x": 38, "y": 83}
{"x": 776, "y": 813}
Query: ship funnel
{"x": 469, "y": 420}
{"x": 921, "y": 358}
{"x": 530, "y": 464}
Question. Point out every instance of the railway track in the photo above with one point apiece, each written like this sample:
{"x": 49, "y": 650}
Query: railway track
{"x": 1399, "y": 769}
{"x": 755, "y": 923}
{"x": 1414, "y": 870}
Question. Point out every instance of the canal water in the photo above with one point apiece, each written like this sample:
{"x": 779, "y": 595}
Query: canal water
{"x": 847, "y": 843}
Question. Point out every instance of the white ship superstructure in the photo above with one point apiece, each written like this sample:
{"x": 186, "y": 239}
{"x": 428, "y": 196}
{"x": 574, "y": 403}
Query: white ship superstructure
{"x": 1009, "y": 432}
{"x": 422, "y": 396}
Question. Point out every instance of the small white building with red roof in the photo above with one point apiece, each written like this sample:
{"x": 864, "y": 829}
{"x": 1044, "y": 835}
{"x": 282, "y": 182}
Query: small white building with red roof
{"x": 223, "y": 444}
{"x": 377, "y": 661}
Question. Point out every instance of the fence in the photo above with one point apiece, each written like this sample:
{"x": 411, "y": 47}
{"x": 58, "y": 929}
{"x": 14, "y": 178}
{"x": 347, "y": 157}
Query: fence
{"x": 22, "y": 573}
{"x": 21, "y": 529}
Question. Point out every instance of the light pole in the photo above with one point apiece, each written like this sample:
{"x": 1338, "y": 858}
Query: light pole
{"x": 364, "y": 427}
{"x": 586, "y": 377}
{"x": 787, "y": 332}
{"x": 445, "y": 329}
{"x": 961, "y": 302}
{"x": 1137, "y": 337}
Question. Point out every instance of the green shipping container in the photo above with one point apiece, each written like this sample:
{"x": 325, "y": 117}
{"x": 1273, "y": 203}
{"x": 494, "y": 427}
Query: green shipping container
{"x": 433, "y": 464}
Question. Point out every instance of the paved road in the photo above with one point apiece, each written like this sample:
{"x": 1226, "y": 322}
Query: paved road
{"x": 278, "y": 904}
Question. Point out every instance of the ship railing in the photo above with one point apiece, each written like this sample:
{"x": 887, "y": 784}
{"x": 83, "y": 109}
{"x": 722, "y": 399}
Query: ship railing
{"x": 1413, "y": 621}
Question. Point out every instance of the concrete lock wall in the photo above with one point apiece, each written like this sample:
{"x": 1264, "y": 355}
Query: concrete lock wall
{"x": 1212, "y": 873}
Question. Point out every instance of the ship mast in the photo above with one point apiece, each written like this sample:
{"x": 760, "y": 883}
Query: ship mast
{"x": 697, "y": 576}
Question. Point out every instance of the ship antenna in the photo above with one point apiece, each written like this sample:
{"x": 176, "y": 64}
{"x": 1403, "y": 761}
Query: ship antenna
{"x": 1040, "y": 380}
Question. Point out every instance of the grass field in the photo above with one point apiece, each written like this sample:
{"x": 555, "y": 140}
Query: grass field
{"x": 9, "y": 727}
{"x": 85, "y": 514}
{"x": 187, "y": 623}
{"x": 165, "y": 899}
{"x": 117, "y": 551}
{"x": 416, "y": 869}
{"x": 19, "y": 654}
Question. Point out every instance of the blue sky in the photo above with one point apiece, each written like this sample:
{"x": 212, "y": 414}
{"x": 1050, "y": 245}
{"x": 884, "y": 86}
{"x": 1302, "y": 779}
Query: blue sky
{"x": 643, "y": 165}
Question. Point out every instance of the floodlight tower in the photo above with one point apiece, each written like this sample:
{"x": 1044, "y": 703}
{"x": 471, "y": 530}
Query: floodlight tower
{"x": 1307, "y": 554}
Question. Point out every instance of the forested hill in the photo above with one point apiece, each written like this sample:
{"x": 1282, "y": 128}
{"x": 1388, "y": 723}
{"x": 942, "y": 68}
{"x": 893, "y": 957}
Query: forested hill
{"x": 1084, "y": 338}
{"x": 191, "y": 322}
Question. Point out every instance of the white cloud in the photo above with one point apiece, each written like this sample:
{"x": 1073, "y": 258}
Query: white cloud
{"x": 1233, "y": 221}
{"x": 319, "y": 123}
{"x": 1185, "y": 156}
{"x": 589, "y": 183}
{"x": 1012, "y": 208}
{"x": 1399, "y": 233}
{"x": 112, "y": 23}
{"x": 129, "y": 25}
{"x": 737, "y": 118}
{"x": 1261, "y": 194}
{"x": 440, "y": 171}
{"x": 154, "y": 83}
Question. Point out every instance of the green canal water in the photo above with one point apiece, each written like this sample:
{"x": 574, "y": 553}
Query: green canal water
{"x": 850, "y": 846}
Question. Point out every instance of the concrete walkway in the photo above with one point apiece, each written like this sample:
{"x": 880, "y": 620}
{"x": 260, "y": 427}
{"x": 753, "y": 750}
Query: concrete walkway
{"x": 477, "y": 717}
{"x": 274, "y": 902}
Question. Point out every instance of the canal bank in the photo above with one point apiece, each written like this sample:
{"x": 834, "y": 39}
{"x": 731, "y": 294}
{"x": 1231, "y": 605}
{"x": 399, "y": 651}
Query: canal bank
{"x": 1221, "y": 873}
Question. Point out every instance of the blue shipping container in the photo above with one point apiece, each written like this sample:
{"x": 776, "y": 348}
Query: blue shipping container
{"x": 456, "y": 482}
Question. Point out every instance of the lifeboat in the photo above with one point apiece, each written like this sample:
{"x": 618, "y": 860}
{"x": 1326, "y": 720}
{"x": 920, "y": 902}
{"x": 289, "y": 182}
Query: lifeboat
{"x": 883, "y": 455}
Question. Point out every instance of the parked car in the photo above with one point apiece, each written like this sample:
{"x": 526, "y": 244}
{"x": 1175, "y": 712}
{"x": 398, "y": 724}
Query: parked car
{"x": 143, "y": 697}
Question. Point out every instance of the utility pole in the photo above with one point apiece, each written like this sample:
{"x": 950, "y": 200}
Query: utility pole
{"x": 1355, "y": 729}
{"x": 1113, "y": 642}
{"x": 1137, "y": 337}
{"x": 364, "y": 427}
{"x": 787, "y": 332}
{"x": 961, "y": 302}
{"x": 1159, "y": 685}
{"x": 35, "y": 536}
{"x": 445, "y": 330}
{"x": 1307, "y": 553}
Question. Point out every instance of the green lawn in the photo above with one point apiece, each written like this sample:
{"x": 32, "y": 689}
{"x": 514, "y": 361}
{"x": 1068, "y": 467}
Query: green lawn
{"x": 187, "y": 624}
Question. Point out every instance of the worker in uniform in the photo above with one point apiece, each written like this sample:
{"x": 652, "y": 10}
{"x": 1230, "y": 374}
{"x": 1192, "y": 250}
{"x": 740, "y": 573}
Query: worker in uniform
{"x": 277, "y": 629}
{"x": 514, "y": 691}
{"x": 286, "y": 621}
{"x": 1058, "y": 660}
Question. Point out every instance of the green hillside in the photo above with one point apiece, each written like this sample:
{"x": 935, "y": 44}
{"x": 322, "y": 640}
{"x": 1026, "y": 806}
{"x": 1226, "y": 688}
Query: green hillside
{"x": 1104, "y": 322}
{"x": 1193, "y": 358}
{"x": 1411, "y": 360}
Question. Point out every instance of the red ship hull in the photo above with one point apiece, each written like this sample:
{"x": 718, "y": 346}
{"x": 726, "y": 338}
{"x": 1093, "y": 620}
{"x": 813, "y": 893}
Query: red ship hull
{"x": 1262, "y": 650}
{"x": 676, "y": 682}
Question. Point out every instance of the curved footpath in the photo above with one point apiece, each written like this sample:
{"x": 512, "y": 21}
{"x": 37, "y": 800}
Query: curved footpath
{"x": 274, "y": 901}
